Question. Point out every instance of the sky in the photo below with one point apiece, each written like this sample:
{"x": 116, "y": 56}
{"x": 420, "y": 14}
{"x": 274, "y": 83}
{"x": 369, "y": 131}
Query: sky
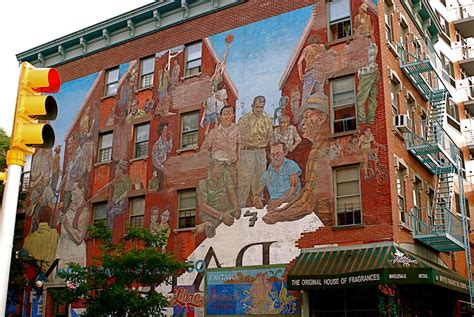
{"x": 28, "y": 24}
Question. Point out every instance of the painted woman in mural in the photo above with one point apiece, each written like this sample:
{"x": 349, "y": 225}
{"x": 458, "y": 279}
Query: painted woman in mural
{"x": 160, "y": 151}
{"x": 74, "y": 221}
{"x": 313, "y": 196}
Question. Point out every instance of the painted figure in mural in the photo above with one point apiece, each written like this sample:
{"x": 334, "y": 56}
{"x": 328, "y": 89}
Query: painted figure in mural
{"x": 224, "y": 141}
{"x": 175, "y": 72}
{"x": 352, "y": 146}
{"x": 210, "y": 114}
{"x": 362, "y": 25}
{"x": 162, "y": 228}
{"x": 259, "y": 296}
{"x": 282, "y": 178}
{"x": 74, "y": 222}
{"x": 153, "y": 182}
{"x": 160, "y": 151}
{"x": 365, "y": 144}
{"x": 368, "y": 79}
{"x": 295, "y": 101}
{"x": 162, "y": 109}
{"x": 217, "y": 76}
{"x": 317, "y": 61}
{"x": 313, "y": 196}
{"x": 42, "y": 243}
{"x": 335, "y": 149}
{"x": 135, "y": 112}
{"x": 278, "y": 112}
{"x": 148, "y": 106}
{"x": 255, "y": 130}
{"x": 217, "y": 198}
{"x": 56, "y": 168}
{"x": 41, "y": 195}
{"x": 286, "y": 133}
{"x": 137, "y": 185}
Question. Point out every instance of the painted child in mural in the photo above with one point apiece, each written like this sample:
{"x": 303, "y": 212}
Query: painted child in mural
{"x": 212, "y": 107}
{"x": 313, "y": 197}
{"x": 56, "y": 171}
{"x": 256, "y": 130}
{"x": 42, "y": 244}
{"x": 335, "y": 148}
{"x": 135, "y": 112}
{"x": 318, "y": 60}
{"x": 286, "y": 133}
{"x": 160, "y": 151}
{"x": 175, "y": 72}
{"x": 365, "y": 144}
{"x": 369, "y": 73}
{"x": 281, "y": 179}
{"x": 74, "y": 221}
{"x": 217, "y": 198}
{"x": 224, "y": 141}
{"x": 218, "y": 75}
{"x": 153, "y": 182}
{"x": 295, "y": 101}
{"x": 162, "y": 107}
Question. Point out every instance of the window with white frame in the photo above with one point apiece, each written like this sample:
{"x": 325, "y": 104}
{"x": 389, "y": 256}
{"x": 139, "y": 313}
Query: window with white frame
{"x": 187, "y": 208}
{"x": 137, "y": 212}
{"x": 189, "y": 129}
{"x": 423, "y": 124}
{"x": 452, "y": 117}
{"x": 343, "y": 104}
{"x": 347, "y": 195}
{"x": 147, "y": 69}
{"x": 193, "y": 58}
{"x": 411, "y": 105}
{"x": 111, "y": 81}
{"x": 401, "y": 191}
{"x": 448, "y": 70}
{"x": 394, "y": 96}
{"x": 142, "y": 136}
{"x": 404, "y": 33}
{"x": 388, "y": 11}
{"x": 100, "y": 212}
{"x": 339, "y": 19}
{"x": 105, "y": 147}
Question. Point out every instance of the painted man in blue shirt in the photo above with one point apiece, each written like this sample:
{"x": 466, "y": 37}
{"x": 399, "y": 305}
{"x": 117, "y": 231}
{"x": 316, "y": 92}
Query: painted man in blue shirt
{"x": 282, "y": 178}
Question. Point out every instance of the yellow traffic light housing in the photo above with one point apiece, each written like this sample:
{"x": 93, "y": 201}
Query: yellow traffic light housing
{"x": 32, "y": 106}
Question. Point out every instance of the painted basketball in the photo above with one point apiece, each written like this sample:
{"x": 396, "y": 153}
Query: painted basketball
{"x": 229, "y": 38}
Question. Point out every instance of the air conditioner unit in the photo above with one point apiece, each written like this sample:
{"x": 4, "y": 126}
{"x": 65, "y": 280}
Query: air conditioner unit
{"x": 402, "y": 123}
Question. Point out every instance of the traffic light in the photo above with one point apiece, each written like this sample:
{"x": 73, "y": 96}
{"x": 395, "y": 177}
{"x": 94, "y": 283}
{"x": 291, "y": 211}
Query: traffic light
{"x": 32, "y": 108}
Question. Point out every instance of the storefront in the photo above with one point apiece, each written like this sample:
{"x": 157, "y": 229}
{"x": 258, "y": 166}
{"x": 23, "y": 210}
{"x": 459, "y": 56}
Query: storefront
{"x": 374, "y": 280}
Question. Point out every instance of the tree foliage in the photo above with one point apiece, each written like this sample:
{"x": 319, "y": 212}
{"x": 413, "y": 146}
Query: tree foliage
{"x": 123, "y": 280}
{"x": 4, "y": 145}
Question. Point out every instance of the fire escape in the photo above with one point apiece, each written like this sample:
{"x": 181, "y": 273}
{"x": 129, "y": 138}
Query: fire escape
{"x": 443, "y": 229}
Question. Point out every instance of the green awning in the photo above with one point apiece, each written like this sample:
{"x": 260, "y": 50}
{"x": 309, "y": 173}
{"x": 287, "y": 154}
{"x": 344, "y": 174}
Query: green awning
{"x": 372, "y": 265}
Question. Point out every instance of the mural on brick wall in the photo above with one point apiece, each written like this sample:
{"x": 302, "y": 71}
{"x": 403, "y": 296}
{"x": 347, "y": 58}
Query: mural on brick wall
{"x": 256, "y": 119}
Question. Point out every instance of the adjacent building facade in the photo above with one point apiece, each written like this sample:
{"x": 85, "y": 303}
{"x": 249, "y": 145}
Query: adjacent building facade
{"x": 306, "y": 157}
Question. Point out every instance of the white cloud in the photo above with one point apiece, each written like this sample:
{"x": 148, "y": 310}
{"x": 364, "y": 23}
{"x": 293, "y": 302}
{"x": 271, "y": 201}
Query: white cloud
{"x": 27, "y": 24}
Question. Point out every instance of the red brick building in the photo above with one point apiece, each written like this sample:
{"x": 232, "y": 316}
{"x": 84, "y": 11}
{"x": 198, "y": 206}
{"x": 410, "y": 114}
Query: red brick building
{"x": 332, "y": 185}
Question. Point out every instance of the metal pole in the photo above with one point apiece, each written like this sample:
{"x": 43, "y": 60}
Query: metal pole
{"x": 7, "y": 229}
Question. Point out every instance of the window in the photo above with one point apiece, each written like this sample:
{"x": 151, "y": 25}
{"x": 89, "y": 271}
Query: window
{"x": 343, "y": 104}
{"x": 100, "y": 212}
{"x": 105, "y": 147}
{"x": 394, "y": 96}
{"x": 423, "y": 124}
{"x": 111, "y": 82}
{"x": 137, "y": 212}
{"x": 388, "y": 11}
{"x": 189, "y": 129}
{"x": 187, "y": 208}
{"x": 404, "y": 33}
{"x": 463, "y": 163}
{"x": 453, "y": 115}
{"x": 347, "y": 194}
{"x": 339, "y": 19}
{"x": 141, "y": 140}
{"x": 411, "y": 105}
{"x": 448, "y": 70}
{"x": 444, "y": 24}
{"x": 417, "y": 193}
{"x": 402, "y": 210}
{"x": 431, "y": 195}
{"x": 147, "y": 68}
{"x": 193, "y": 58}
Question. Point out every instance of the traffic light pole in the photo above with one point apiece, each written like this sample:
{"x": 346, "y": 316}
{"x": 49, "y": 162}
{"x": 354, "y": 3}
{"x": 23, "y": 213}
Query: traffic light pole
{"x": 7, "y": 221}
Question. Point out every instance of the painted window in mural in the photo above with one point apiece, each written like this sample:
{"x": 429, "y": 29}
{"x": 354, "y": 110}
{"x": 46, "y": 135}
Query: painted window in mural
{"x": 100, "y": 212}
{"x": 187, "y": 208}
{"x": 111, "y": 83}
{"x": 193, "y": 58}
{"x": 401, "y": 172}
{"x": 137, "y": 212}
{"x": 142, "y": 135}
{"x": 347, "y": 193}
{"x": 339, "y": 19}
{"x": 343, "y": 104}
{"x": 147, "y": 69}
{"x": 189, "y": 129}
{"x": 105, "y": 147}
